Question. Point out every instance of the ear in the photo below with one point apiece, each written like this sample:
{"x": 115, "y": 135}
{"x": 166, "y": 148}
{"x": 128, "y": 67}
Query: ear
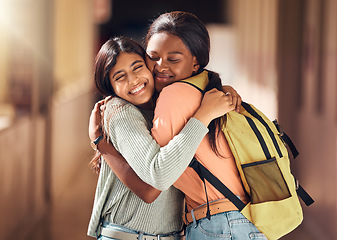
{"x": 196, "y": 65}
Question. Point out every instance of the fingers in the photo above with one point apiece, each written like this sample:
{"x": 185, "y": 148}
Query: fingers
{"x": 213, "y": 90}
{"x": 107, "y": 98}
{"x": 233, "y": 100}
{"x": 236, "y": 98}
{"x": 95, "y": 120}
{"x": 227, "y": 98}
{"x": 230, "y": 97}
{"x": 104, "y": 103}
{"x": 100, "y": 105}
{"x": 237, "y": 102}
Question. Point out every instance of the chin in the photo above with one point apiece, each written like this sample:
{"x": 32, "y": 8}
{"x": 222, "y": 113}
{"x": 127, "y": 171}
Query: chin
{"x": 159, "y": 88}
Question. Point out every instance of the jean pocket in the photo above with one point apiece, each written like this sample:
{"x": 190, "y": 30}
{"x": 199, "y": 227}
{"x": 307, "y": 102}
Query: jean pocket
{"x": 266, "y": 181}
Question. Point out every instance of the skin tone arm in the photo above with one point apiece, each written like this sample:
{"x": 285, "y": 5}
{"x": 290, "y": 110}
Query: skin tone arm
{"x": 120, "y": 166}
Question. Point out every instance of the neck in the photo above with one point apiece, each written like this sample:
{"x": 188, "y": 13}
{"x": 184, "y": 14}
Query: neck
{"x": 147, "y": 106}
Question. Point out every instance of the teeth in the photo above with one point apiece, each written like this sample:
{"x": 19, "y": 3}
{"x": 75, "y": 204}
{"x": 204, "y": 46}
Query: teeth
{"x": 137, "y": 89}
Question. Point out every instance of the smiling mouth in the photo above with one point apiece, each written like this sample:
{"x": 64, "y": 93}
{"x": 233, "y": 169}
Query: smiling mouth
{"x": 137, "y": 89}
{"x": 162, "y": 77}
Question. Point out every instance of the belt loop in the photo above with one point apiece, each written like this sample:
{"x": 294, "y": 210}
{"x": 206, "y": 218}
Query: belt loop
{"x": 140, "y": 236}
{"x": 193, "y": 217}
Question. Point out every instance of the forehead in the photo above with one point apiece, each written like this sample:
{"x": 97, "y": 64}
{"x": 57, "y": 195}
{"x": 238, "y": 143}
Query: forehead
{"x": 126, "y": 60}
{"x": 164, "y": 42}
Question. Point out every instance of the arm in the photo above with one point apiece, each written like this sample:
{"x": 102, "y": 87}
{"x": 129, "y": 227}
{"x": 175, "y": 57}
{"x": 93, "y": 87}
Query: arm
{"x": 116, "y": 162}
{"x": 167, "y": 160}
{"x": 125, "y": 173}
{"x": 158, "y": 166}
{"x": 162, "y": 166}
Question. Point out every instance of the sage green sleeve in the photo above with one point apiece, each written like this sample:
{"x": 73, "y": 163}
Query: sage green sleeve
{"x": 155, "y": 165}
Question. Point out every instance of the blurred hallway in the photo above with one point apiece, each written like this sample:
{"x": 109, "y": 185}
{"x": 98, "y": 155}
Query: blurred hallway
{"x": 70, "y": 212}
{"x": 280, "y": 55}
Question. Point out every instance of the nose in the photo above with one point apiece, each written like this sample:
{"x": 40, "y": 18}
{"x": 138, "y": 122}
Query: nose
{"x": 161, "y": 65}
{"x": 133, "y": 78}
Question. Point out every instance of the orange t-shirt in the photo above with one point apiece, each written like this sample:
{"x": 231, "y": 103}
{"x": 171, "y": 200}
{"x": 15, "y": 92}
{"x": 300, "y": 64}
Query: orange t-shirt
{"x": 176, "y": 104}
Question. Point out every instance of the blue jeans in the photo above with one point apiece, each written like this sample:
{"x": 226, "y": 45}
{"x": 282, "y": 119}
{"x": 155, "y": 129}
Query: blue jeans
{"x": 228, "y": 225}
{"x": 128, "y": 230}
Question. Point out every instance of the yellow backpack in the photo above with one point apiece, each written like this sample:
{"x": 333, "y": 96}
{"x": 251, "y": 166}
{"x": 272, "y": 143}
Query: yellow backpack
{"x": 261, "y": 153}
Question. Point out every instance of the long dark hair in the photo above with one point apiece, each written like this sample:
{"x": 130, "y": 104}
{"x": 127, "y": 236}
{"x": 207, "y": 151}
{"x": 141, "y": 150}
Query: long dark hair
{"x": 194, "y": 35}
{"x": 105, "y": 60}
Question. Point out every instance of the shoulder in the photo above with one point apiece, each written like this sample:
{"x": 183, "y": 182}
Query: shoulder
{"x": 119, "y": 112}
{"x": 117, "y": 103}
{"x": 180, "y": 91}
{"x": 117, "y": 106}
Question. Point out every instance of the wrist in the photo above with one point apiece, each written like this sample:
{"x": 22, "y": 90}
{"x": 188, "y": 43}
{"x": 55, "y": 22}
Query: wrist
{"x": 95, "y": 134}
{"x": 204, "y": 118}
{"x": 95, "y": 142}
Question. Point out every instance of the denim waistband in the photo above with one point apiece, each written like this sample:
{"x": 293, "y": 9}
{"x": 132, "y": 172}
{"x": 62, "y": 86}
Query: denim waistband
{"x": 112, "y": 227}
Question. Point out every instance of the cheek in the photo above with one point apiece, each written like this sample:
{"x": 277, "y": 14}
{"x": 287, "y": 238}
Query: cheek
{"x": 117, "y": 89}
{"x": 150, "y": 65}
{"x": 182, "y": 71}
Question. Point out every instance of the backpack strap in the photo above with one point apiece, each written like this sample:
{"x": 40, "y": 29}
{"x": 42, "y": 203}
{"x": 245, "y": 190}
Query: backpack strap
{"x": 199, "y": 81}
{"x": 306, "y": 198}
{"x": 203, "y": 172}
{"x": 252, "y": 112}
{"x": 259, "y": 137}
{"x": 197, "y": 167}
{"x": 286, "y": 139}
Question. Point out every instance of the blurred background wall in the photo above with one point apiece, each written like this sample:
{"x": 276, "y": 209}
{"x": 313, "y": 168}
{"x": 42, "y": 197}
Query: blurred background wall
{"x": 280, "y": 55}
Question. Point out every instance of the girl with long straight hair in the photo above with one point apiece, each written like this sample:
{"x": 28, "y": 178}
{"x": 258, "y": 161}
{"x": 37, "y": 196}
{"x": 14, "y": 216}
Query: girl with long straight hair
{"x": 118, "y": 213}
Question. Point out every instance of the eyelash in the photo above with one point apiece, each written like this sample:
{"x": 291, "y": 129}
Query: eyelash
{"x": 119, "y": 78}
{"x": 152, "y": 58}
{"x": 170, "y": 60}
{"x": 137, "y": 67}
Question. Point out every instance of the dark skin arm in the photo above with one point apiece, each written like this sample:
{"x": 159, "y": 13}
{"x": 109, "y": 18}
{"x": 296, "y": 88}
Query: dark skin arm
{"x": 117, "y": 162}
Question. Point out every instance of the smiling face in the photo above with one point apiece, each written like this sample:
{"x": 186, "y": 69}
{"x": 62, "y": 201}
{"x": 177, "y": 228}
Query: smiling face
{"x": 169, "y": 59}
{"x": 132, "y": 80}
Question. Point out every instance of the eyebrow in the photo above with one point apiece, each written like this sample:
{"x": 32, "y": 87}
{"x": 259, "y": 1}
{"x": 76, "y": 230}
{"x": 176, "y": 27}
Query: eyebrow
{"x": 175, "y": 52}
{"x": 132, "y": 64}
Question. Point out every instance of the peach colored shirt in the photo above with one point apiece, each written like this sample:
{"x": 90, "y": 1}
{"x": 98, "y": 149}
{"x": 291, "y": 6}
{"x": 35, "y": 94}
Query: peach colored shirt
{"x": 176, "y": 104}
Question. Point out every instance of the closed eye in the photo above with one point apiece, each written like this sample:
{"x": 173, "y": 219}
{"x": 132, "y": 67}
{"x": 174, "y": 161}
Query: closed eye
{"x": 119, "y": 77}
{"x": 137, "y": 67}
{"x": 152, "y": 58}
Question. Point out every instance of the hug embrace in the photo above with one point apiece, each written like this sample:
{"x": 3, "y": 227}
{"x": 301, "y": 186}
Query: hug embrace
{"x": 164, "y": 109}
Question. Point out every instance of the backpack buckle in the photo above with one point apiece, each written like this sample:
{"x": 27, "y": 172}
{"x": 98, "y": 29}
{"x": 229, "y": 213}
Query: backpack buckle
{"x": 297, "y": 184}
{"x": 278, "y": 127}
